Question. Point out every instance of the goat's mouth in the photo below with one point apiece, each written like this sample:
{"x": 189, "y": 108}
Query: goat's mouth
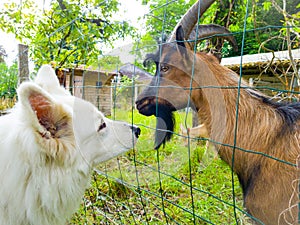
{"x": 152, "y": 106}
{"x": 145, "y": 107}
{"x": 165, "y": 123}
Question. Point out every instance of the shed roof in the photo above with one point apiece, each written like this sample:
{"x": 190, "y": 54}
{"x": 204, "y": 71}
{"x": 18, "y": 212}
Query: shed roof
{"x": 249, "y": 61}
{"x": 104, "y": 76}
{"x": 131, "y": 71}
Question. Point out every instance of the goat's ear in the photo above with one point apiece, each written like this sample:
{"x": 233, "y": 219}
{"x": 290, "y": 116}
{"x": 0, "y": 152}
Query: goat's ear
{"x": 180, "y": 36}
{"x": 181, "y": 45}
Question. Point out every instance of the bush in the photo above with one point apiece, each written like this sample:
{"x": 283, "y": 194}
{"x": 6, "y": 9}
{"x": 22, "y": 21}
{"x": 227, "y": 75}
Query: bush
{"x": 8, "y": 80}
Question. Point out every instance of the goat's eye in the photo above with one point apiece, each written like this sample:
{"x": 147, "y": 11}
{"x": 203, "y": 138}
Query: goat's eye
{"x": 101, "y": 126}
{"x": 164, "y": 68}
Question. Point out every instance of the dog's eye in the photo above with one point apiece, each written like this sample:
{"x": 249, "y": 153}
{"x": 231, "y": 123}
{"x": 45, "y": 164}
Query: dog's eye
{"x": 101, "y": 126}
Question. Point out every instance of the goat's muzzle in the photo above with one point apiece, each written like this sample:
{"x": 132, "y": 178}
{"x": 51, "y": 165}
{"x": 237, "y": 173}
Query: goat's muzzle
{"x": 163, "y": 110}
{"x": 149, "y": 106}
{"x": 145, "y": 107}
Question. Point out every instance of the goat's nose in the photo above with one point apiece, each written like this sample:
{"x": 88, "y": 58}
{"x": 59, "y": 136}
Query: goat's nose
{"x": 136, "y": 130}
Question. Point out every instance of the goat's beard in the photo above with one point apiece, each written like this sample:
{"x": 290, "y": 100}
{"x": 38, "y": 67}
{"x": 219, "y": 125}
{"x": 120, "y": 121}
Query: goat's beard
{"x": 165, "y": 124}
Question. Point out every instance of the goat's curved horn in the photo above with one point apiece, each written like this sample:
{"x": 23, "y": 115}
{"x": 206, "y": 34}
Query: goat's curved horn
{"x": 190, "y": 18}
{"x": 210, "y": 30}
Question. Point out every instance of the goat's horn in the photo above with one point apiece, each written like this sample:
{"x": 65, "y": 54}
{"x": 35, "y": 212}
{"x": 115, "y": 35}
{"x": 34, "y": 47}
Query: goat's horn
{"x": 210, "y": 30}
{"x": 190, "y": 18}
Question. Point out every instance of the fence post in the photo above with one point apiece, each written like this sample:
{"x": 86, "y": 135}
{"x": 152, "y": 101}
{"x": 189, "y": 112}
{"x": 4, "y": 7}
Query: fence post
{"x": 23, "y": 63}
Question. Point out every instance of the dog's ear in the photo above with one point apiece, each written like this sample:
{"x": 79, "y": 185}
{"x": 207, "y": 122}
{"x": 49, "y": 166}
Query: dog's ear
{"x": 46, "y": 77}
{"x": 37, "y": 103}
{"x": 51, "y": 122}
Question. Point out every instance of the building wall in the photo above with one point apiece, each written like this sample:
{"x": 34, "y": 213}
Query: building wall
{"x": 97, "y": 88}
{"x": 97, "y": 93}
{"x": 92, "y": 86}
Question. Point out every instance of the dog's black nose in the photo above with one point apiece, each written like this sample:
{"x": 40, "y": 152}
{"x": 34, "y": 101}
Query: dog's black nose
{"x": 136, "y": 130}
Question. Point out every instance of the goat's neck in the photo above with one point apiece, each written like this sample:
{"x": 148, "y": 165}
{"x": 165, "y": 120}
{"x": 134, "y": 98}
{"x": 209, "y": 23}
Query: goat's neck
{"x": 217, "y": 110}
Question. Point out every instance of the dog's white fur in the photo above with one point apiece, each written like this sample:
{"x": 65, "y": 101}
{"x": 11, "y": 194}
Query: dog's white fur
{"x": 49, "y": 144}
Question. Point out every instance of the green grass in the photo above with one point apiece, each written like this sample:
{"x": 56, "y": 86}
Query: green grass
{"x": 154, "y": 187}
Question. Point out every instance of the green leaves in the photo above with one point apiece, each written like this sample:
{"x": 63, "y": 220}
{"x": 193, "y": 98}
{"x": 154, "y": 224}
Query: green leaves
{"x": 261, "y": 25}
{"x": 267, "y": 5}
{"x": 8, "y": 80}
{"x": 68, "y": 32}
{"x": 108, "y": 63}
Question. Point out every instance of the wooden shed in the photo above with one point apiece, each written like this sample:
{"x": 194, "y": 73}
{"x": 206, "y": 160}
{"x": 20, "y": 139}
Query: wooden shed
{"x": 91, "y": 85}
{"x": 97, "y": 86}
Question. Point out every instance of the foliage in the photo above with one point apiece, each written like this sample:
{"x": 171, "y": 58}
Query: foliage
{"x": 8, "y": 80}
{"x": 164, "y": 17}
{"x": 126, "y": 83}
{"x": 69, "y": 32}
{"x": 269, "y": 15}
{"x": 107, "y": 63}
{"x": 272, "y": 18}
{"x": 145, "y": 45}
{"x": 262, "y": 18}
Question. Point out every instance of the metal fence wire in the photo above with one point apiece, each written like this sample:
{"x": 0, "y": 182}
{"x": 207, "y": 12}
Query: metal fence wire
{"x": 185, "y": 181}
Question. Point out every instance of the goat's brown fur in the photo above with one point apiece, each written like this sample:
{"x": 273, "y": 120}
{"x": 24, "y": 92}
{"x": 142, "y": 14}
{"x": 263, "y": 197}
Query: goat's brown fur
{"x": 267, "y": 183}
{"x": 262, "y": 127}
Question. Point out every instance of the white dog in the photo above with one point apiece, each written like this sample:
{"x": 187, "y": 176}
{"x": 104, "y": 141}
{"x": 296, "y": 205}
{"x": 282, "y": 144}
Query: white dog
{"x": 49, "y": 144}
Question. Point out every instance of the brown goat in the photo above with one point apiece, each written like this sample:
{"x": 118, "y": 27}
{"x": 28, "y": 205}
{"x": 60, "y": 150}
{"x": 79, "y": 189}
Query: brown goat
{"x": 249, "y": 130}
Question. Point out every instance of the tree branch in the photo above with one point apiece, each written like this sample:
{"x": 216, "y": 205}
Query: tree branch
{"x": 63, "y": 41}
{"x": 97, "y": 21}
{"x": 62, "y": 5}
{"x": 283, "y": 12}
{"x": 67, "y": 56}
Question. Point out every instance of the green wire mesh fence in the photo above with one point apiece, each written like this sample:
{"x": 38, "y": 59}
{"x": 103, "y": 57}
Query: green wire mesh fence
{"x": 185, "y": 182}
